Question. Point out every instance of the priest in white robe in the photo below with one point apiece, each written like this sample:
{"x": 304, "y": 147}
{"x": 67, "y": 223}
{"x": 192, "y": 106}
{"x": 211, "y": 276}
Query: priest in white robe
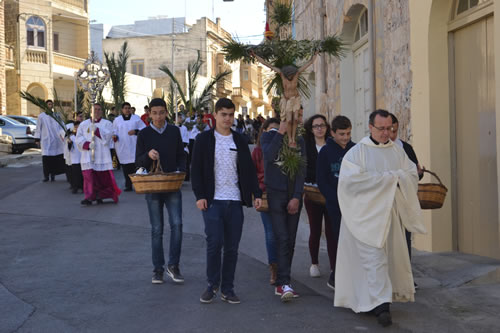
{"x": 48, "y": 133}
{"x": 378, "y": 198}
{"x": 125, "y": 130}
{"x": 98, "y": 179}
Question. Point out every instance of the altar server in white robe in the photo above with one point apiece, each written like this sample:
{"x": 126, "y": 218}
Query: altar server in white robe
{"x": 98, "y": 178}
{"x": 48, "y": 133}
{"x": 125, "y": 130}
{"x": 378, "y": 198}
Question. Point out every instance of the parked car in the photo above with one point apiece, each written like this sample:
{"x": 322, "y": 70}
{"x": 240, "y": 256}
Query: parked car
{"x": 30, "y": 121}
{"x": 20, "y": 134}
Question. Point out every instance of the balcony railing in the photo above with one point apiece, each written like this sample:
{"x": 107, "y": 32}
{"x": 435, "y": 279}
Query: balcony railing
{"x": 9, "y": 56}
{"x": 36, "y": 56}
{"x": 68, "y": 61}
{"x": 77, "y": 3}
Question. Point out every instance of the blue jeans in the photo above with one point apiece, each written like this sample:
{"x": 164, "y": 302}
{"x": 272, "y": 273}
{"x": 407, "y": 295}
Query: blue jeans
{"x": 270, "y": 241}
{"x": 173, "y": 202}
{"x": 223, "y": 227}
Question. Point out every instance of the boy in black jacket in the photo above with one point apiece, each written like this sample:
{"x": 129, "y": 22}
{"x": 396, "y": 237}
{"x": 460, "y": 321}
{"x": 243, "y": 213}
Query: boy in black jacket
{"x": 327, "y": 175}
{"x": 224, "y": 178}
{"x": 162, "y": 142}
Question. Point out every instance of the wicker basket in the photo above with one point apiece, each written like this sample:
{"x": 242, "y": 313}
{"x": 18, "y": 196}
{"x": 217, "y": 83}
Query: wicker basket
{"x": 264, "y": 207}
{"x": 312, "y": 193}
{"x": 431, "y": 195}
{"x": 157, "y": 181}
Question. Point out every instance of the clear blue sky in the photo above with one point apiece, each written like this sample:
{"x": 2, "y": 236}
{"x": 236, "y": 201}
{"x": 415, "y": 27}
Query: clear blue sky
{"x": 240, "y": 17}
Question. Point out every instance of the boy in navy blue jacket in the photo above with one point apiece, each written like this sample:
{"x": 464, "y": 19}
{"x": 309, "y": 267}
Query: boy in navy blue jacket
{"x": 327, "y": 175}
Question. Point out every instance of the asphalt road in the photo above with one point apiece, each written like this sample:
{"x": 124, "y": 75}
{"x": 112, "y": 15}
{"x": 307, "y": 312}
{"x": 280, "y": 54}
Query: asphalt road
{"x": 68, "y": 268}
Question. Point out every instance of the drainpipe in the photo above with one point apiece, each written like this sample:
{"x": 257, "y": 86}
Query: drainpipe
{"x": 324, "y": 64}
{"x": 372, "y": 48}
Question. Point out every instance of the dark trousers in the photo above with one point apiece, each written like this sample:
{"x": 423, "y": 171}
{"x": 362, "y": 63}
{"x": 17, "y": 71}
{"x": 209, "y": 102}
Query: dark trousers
{"x": 68, "y": 173}
{"x": 76, "y": 176}
{"x": 128, "y": 169}
{"x": 285, "y": 231}
{"x": 315, "y": 213}
{"x": 223, "y": 227}
{"x": 335, "y": 217}
{"x": 408, "y": 241}
{"x": 189, "y": 158}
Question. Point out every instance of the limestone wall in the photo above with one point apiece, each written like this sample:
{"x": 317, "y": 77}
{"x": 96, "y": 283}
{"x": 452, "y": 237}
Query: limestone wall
{"x": 392, "y": 62}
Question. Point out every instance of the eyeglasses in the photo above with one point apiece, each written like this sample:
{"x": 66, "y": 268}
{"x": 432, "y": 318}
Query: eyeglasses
{"x": 384, "y": 129}
{"x": 317, "y": 127}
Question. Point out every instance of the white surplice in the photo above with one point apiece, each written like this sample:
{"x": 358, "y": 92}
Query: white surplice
{"x": 102, "y": 161}
{"x": 378, "y": 199}
{"x": 126, "y": 144}
{"x": 49, "y": 133}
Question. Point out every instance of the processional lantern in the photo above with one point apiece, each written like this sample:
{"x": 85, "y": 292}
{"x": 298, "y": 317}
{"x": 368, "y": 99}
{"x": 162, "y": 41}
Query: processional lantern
{"x": 92, "y": 79}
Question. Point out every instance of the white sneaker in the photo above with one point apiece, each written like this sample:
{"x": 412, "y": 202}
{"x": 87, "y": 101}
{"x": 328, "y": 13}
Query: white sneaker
{"x": 314, "y": 271}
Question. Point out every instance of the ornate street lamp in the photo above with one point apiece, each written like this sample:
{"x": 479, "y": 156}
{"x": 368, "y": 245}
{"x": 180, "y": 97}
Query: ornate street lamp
{"x": 92, "y": 78}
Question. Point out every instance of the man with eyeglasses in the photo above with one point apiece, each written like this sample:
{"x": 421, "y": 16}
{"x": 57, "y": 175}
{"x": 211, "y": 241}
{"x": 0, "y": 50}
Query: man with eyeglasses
{"x": 377, "y": 195}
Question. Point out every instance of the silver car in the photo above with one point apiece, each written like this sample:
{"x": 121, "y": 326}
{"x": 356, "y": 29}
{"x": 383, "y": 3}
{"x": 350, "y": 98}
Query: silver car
{"x": 30, "y": 121}
{"x": 19, "y": 134}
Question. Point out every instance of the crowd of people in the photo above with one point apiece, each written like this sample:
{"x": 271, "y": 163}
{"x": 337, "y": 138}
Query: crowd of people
{"x": 370, "y": 190}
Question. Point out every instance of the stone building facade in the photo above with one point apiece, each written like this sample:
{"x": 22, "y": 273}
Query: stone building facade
{"x": 48, "y": 42}
{"x": 150, "y": 51}
{"x": 433, "y": 63}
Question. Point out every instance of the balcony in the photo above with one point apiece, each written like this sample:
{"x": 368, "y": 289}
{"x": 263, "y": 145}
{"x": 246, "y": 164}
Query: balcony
{"x": 224, "y": 88}
{"x": 240, "y": 95}
{"x": 67, "y": 65}
{"x": 72, "y": 5}
{"x": 36, "y": 56}
{"x": 10, "y": 62}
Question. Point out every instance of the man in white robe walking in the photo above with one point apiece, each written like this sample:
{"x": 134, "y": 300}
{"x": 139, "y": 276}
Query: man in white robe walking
{"x": 378, "y": 198}
{"x": 48, "y": 133}
{"x": 125, "y": 130}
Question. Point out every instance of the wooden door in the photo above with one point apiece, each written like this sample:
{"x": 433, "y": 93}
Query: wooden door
{"x": 477, "y": 196}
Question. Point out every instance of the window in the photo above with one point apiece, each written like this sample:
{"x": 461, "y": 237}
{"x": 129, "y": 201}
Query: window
{"x": 35, "y": 32}
{"x": 138, "y": 67}
{"x": 245, "y": 75}
{"x": 464, "y": 5}
{"x": 56, "y": 41}
{"x": 362, "y": 26}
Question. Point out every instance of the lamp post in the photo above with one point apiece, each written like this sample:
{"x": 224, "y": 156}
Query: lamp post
{"x": 92, "y": 78}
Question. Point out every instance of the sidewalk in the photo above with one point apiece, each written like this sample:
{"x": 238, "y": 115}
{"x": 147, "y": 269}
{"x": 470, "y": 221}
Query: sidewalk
{"x": 28, "y": 157}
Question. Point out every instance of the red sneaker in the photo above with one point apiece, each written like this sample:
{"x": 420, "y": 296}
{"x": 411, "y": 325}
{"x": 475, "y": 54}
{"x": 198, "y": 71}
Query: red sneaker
{"x": 278, "y": 291}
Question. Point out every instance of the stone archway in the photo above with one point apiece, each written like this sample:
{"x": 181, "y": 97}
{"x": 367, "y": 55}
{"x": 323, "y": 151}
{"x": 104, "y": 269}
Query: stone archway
{"x": 37, "y": 90}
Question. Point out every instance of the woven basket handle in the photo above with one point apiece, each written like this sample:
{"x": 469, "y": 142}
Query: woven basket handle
{"x": 156, "y": 167}
{"x": 432, "y": 173}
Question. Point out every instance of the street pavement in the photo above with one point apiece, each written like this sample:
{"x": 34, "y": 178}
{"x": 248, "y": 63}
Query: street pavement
{"x": 68, "y": 268}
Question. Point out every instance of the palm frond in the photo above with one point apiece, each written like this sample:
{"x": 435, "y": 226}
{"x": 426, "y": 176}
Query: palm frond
{"x": 206, "y": 95}
{"x": 117, "y": 66}
{"x": 37, "y": 101}
{"x": 172, "y": 77}
{"x": 282, "y": 13}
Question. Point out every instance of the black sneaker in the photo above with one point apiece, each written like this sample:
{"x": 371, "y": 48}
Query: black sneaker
{"x": 99, "y": 201}
{"x": 208, "y": 296}
{"x": 230, "y": 297}
{"x": 45, "y": 179}
{"x": 331, "y": 282}
{"x": 174, "y": 272}
{"x": 52, "y": 178}
{"x": 384, "y": 318}
{"x": 86, "y": 202}
{"x": 157, "y": 278}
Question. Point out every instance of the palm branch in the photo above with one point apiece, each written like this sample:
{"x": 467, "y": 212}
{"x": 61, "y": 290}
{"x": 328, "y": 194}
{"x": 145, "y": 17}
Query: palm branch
{"x": 206, "y": 95}
{"x": 37, "y": 101}
{"x": 172, "y": 77}
{"x": 117, "y": 65}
